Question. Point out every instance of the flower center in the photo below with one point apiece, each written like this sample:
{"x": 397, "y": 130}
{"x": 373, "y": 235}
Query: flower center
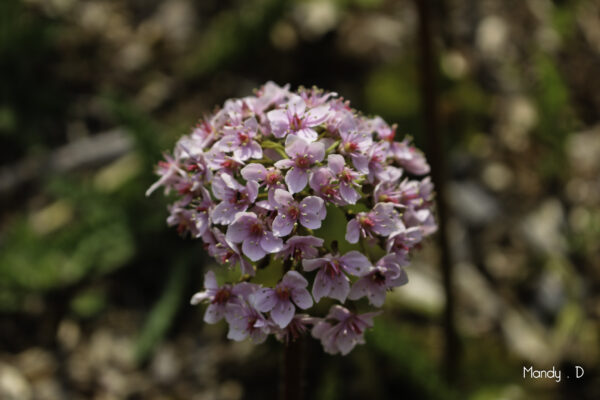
{"x": 354, "y": 327}
{"x": 297, "y": 254}
{"x": 185, "y": 188}
{"x": 296, "y": 122}
{"x": 256, "y": 229}
{"x": 346, "y": 175}
{"x": 272, "y": 177}
{"x": 350, "y": 147}
{"x": 293, "y": 212}
{"x": 244, "y": 138}
{"x": 333, "y": 268}
{"x": 222, "y": 296}
{"x": 251, "y": 322}
{"x": 378, "y": 277}
{"x": 303, "y": 162}
{"x": 229, "y": 164}
{"x": 226, "y": 257}
{"x": 366, "y": 221}
{"x": 283, "y": 293}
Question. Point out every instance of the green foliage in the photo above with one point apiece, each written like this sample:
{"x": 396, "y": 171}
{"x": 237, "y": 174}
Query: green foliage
{"x": 162, "y": 314}
{"x": 556, "y": 119}
{"x": 392, "y": 91}
{"x": 89, "y": 303}
{"x": 93, "y": 240}
{"x": 333, "y": 228}
{"x": 220, "y": 42}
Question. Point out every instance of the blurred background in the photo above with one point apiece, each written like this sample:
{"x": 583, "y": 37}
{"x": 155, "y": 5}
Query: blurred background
{"x": 95, "y": 289}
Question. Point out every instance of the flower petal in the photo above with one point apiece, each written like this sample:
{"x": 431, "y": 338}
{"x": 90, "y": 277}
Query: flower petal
{"x": 295, "y": 146}
{"x": 310, "y": 220}
{"x": 352, "y": 231}
{"x": 294, "y": 280}
{"x": 210, "y": 281}
{"x": 321, "y": 286}
{"x": 282, "y": 225}
{"x": 224, "y": 213}
{"x": 349, "y": 194}
{"x": 284, "y": 164}
{"x": 312, "y": 264}
{"x": 316, "y": 116}
{"x": 340, "y": 287}
{"x": 302, "y": 298}
{"x": 265, "y": 299}
{"x": 361, "y": 163}
{"x": 254, "y": 172}
{"x": 316, "y": 151}
{"x": 270, "y": 243}
{"x": 296, "y": 179}
{"x": 283, "y": 313}
{"x": 214, "y": 313}
{"x": 336, "y": 163}
{"x": 308, "y": 134}
{"x": 360, "y": 288}
{"x": 355, "y": 263}
{"x": 283, "y": 197}
{"x": 252, "y": 249}
{"x": 239, "y": 230}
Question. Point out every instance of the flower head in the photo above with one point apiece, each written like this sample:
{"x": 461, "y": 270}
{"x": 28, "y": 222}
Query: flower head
{"x": 269, "y": 182}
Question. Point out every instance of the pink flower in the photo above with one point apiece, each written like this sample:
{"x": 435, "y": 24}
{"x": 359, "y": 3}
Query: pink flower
{"x": 256, "y": 239}
{"x": 240, "y": 140}
{"x": 348, "y": 179}
{"x": 170, "y": 173}
{"x": 296, "y": 328}
{"x": 245, "y": 321}
{"x": 382, "y": 221}
{"x": 324, "y": 183}
{"x": 300, "y": 247}
{"x": 331, "y": 280}
{"x": 355, "y": 143}
{"x": 219, "y": 297}
{"x": 409, "y": 157}
{"x": 302, "y": 156}
{"x": 279, "y": 300}
{"x": 297, "y": 120}
{"x": 226, "y": 252}
{"x": 385, "y": 275}
{"x": 310, "y": 212}
{"x": 235, "y": 197}
{"x": 348, "y": 330}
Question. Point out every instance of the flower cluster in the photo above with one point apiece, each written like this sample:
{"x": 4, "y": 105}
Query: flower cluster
{"x": 256, "y": 182}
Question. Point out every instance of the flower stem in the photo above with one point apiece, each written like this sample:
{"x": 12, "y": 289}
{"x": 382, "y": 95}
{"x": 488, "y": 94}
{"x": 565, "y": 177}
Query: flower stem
{"x": 292, "y": 384}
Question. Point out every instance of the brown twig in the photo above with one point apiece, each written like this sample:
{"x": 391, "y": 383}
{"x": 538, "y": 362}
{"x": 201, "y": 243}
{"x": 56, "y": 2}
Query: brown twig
{"x": 435, "y": 155}
{"x": 293, "y": 370}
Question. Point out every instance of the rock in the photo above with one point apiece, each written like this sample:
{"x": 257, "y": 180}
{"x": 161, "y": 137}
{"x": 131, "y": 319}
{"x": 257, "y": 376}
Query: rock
{"x": 543, "y": 227}
{"x": 492, "y": 34}
{"x": 36, "y": 363}
{"x": 13, "y": 385}
{"x": 583, "y": 149}
{"x": 166, "y": 365}
{"x": 68, "y": 334}
{"x": 472, "y": 203}
{"x": 231, "y": 390}
{"x": 497, "y": 176}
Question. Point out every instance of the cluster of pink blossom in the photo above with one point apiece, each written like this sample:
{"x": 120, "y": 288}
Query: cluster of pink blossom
{"x": 255, "y": 182}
